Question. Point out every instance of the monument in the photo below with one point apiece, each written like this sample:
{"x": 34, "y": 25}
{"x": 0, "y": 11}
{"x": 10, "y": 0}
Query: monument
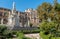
{"x": 15, "y": 16}
{"x": 13, "y": 19}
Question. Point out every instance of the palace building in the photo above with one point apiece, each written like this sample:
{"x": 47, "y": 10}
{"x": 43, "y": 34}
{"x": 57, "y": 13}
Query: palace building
{"x": 33, "y": 16}
{"x": 25, "y": 18}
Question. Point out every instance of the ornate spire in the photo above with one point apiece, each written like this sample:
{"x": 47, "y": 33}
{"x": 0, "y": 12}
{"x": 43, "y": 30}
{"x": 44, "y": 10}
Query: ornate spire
{"x": 14, "y": 8}
{"x": 13, "y": 5}
{"x": 55, "y": 2}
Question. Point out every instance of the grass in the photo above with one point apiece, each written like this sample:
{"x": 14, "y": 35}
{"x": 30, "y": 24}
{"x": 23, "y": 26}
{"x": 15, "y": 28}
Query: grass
{"x": 43, "y": 36}
{"x": 47, "y": 36}
{"x": 55, "y": 38}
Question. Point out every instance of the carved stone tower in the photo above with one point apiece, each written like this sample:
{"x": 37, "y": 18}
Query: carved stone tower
{"x": 55, "y": 3}
{"x": 15, "y": 18}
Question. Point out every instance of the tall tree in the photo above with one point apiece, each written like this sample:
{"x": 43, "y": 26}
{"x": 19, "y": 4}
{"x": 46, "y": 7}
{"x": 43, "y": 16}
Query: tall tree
{"x": 43, "y": 10}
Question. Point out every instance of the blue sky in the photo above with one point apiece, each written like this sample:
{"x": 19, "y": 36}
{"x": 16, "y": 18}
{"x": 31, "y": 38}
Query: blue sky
{"x": 21, "y": 5}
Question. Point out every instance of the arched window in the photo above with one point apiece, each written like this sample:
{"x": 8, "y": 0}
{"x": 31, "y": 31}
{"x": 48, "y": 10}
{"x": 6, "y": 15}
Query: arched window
{"x": 5, "y": 21}
{"x": 0, "y": 20}
{"x": 5, "y": 13}
{"x": 1, "y": 13}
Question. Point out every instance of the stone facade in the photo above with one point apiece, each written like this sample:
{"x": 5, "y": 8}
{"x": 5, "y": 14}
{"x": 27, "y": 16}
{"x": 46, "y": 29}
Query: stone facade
{"x": 25, "y": 18}
{"x": 33, "y": 16}
{"x": 4, "y": 13}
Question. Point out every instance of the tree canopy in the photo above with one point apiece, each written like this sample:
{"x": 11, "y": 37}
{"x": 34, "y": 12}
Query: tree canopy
{"x": 50, "y": 18}
{"x": 46, "y": 10}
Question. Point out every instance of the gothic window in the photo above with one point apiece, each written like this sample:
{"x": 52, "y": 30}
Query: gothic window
{"x": 5, "y": 21}
{"x": 5, "y": 13}
{"x": 35, "y": 15}
{"x": 0, "y": 20}
{"x": 1, "y": 13}
{"x": 32, "y": 15}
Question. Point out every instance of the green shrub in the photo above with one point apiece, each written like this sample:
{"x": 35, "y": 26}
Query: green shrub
{"x": 20, "y": 35}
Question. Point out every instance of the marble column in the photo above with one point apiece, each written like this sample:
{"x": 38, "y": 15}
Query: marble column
{"x": 2, "y": 21}
{"x": 28, "y": 23}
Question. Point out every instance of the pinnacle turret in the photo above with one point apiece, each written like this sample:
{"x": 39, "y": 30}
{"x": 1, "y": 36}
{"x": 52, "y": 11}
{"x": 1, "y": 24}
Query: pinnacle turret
{"x": 55, "y": 2}
{"x": 14, "y": 7}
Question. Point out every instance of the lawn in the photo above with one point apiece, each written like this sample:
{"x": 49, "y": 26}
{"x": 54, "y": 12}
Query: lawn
{"x": 47, "y": 36}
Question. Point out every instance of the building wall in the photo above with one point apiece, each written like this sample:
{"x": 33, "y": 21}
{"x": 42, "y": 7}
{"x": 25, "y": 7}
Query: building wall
{"x": 32, "y": 14}
{"x": 29, "y": 15}
{"x": 4, "y": 13}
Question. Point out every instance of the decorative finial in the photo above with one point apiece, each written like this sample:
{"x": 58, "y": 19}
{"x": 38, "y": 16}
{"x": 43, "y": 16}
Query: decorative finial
{"x": 55, "y": 2}
{"x": 14, "y": 8}
{"x": 13, "y": 5}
